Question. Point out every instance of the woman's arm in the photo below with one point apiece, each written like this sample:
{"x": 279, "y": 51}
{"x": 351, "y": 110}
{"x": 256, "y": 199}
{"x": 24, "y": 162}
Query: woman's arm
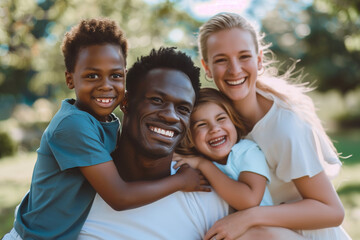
{"x": 320, "y": 208}
{"x": 247, "y": 192}
{"x": 121, "y": 195}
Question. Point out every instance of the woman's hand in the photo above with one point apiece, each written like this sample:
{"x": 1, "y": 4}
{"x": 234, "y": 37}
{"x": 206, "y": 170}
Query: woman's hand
{"x": 230, "y": 227}
{"x": 193, "y": 161}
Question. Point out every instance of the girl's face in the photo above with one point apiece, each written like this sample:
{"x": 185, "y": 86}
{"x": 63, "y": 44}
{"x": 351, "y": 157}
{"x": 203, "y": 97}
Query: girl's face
{"x": 233, "y": 62}
{"x": 213, "y": 132}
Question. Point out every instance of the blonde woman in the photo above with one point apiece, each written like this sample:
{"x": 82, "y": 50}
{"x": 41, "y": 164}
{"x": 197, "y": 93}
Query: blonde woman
{"x": 281, "y": 119}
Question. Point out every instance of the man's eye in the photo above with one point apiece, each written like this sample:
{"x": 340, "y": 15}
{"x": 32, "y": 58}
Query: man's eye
{"x": 156, "y": 100}
{"x": 184, "y": 109}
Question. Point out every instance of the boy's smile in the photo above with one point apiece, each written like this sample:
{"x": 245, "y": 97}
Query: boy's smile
{"x": 98, "y": 79}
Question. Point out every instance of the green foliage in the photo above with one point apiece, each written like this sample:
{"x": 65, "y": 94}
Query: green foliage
{"x": 7, "y": 145}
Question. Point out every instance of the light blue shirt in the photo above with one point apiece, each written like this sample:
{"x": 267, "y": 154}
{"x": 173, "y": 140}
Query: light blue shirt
{"x": 247, "y": 156}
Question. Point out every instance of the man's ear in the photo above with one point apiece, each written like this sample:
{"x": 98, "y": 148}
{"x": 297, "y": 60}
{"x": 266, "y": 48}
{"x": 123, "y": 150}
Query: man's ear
{"x": 206, "y": 67}
{"x": 69, "y": 80}
{"x": 124, "y": 104}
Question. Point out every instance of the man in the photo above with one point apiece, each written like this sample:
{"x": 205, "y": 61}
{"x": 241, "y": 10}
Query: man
{"x": 161, "y": 92}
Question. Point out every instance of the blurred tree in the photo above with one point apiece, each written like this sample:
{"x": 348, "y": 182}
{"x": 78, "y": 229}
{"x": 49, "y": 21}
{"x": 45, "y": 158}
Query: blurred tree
{"x": 31, "y": 65}
{"x": 326, "y": 41}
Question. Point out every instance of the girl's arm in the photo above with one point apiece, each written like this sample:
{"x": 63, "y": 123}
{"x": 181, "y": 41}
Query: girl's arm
{"x": 121, "y": 195}
{"x": 247, "y": 192}
{"x": 320, "y": 208}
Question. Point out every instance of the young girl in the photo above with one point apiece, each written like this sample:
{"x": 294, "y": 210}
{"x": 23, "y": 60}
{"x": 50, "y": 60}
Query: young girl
{"x": 282, "y": 121}
{"x": 239, "y": 172}
{"x": 215, "y": 131}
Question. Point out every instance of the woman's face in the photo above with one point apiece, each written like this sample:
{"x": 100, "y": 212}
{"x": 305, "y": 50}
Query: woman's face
{"x": 213, "y": 132}
{"x": 233, "y": 63}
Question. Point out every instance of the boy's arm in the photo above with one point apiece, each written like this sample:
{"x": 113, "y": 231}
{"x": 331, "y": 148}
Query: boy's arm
{"x": 121, "y": 195}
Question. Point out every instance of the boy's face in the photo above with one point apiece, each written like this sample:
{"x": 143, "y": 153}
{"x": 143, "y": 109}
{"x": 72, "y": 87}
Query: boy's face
{"x": 98, "y": 80}
{"x": 159, "y": 111}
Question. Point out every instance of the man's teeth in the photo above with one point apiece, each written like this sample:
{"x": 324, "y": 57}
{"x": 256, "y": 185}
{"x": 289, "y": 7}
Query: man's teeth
{"x": 104, "y": 100}
{"x": 237, "y": 82}
{"x": 217, "y": 141}
{"x": 161, "y": 131}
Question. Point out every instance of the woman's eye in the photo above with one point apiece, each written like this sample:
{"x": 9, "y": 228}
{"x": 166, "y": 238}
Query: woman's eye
{"x": 220, "y": 60}
{"x": 245, "y": 56}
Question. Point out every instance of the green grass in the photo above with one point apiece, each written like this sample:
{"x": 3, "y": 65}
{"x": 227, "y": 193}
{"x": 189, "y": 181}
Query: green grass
{"x": 15, "y": 176}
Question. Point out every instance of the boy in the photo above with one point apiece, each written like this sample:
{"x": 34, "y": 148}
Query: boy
{"x": 74, "y": 160}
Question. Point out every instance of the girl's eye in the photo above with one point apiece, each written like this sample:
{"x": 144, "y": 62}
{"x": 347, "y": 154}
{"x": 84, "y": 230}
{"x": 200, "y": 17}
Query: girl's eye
{"x": 199, "y": 125}
{"x": 221, "y": 118}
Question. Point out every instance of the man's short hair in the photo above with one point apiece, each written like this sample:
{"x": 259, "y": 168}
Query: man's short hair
{"x": 91, "y": 32}
{"x": 165, "y": 57}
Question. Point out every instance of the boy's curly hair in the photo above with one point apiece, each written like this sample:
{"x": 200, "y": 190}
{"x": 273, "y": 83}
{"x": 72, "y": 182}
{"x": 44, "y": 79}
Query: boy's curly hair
{"x": 164, "y": 57}
{"x": 91, "y": 32}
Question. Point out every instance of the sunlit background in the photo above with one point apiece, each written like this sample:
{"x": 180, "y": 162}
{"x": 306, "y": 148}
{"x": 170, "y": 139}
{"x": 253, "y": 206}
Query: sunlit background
{"x": 323, "y": 34}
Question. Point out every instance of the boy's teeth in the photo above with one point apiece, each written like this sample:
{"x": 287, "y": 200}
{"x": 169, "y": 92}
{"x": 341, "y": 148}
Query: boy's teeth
{"x": 104, "y": 100}
{"x": 161, "y": 131}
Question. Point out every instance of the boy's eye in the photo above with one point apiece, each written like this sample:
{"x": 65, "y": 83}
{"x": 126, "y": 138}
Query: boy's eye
{"x": 92, "y": 76}
{"x": 118, "y": 75}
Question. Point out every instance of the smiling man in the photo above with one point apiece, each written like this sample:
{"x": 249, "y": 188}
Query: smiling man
{"x": 161, "y": 92}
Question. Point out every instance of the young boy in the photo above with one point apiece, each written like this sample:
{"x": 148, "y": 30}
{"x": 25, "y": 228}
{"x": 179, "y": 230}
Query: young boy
{"x": 74, "y": 160}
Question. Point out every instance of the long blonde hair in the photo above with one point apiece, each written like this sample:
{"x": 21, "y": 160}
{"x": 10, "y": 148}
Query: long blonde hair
{"x": 288, "y": 87}
{"x": 211, "y": 95}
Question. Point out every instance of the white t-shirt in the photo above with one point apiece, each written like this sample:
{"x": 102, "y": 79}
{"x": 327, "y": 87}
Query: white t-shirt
{"x": 178, "y": 216}
{"x": 247, "y": 156}
{"x": 293, "y": 150}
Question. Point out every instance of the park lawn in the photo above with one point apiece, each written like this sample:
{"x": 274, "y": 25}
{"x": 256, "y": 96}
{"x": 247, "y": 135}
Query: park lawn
{"x": 15, "y": 176}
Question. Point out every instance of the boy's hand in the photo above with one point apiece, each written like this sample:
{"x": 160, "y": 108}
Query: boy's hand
{"x": 193, "y": 180}
{"x": 192, "y": 160}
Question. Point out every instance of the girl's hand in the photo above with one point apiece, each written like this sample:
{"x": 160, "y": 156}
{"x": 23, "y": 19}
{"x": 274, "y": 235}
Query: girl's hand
{"x": 192, "y": 160}
{"x": 192, "y": 180}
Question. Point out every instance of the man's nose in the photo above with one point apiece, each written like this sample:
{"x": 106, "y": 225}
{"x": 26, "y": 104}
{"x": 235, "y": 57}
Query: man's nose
{"x": 168, "y": 113}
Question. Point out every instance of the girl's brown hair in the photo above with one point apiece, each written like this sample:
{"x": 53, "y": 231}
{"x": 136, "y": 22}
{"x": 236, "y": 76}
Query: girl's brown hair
{"x": 211, "y": 95}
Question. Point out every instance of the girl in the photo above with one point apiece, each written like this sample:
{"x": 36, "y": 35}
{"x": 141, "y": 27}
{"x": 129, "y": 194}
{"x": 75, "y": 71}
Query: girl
{"x": 282, "y": 121}
{"x": 215, "y": 131}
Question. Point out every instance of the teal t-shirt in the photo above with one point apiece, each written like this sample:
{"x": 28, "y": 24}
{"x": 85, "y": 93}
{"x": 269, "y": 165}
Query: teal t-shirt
{"x": 60, "y": 197}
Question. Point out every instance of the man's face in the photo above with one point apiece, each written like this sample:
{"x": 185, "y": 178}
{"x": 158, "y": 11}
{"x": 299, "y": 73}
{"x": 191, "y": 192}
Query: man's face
{"x": 159, "y": 112}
